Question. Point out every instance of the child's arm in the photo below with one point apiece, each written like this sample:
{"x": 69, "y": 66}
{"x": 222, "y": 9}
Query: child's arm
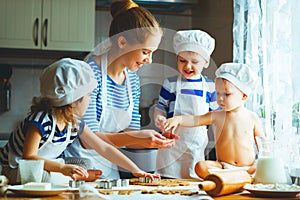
{"x": 258, "y": 130}
{"x": 146, "y": 138}
{"x": 188, "y": 121}
{"x": 91, "y": 140}
{"x": 30, "y": 151}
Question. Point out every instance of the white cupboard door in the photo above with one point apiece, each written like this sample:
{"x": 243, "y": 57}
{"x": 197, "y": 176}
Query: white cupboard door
{"x": 68, "y": 25}
{"x": 20, "y": 23}
{"x": 47, "y": 24}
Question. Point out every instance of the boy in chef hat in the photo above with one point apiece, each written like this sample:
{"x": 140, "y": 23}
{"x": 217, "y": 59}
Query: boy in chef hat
{"x": 190, "y": 93}
{"x": 235, "y": 126}
{"x": 54, "y": 122}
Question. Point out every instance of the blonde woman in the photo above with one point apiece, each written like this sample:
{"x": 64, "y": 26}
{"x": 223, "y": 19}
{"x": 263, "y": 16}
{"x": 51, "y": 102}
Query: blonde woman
{"x": 133, "y": 37}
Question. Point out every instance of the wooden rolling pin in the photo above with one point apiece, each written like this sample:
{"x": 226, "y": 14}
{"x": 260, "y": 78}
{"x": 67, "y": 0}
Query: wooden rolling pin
{"x": 225, "y": 182}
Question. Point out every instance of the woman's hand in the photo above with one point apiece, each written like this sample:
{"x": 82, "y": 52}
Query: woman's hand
{"x": 74, "y": 171}
{"x": 145, "y": 174}
{"x": 170, "y": 135}
{"x": 151, "y": 139}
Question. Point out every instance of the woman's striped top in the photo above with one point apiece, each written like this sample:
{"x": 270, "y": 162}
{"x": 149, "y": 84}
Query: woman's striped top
{"x": 117, "y": 97}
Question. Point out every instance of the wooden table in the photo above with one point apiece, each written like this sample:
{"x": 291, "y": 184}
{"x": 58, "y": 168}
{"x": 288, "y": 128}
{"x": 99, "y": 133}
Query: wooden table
{"x": 75, "y": 195}
{"x": 63, "y": 196}
{"x": 246, "y": 195}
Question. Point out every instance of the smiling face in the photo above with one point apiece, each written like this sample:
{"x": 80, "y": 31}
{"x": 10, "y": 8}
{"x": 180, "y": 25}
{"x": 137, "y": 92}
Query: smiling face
{"x": 137, "y": 58}
{"x": 138, "y": 54}
{"x": 229, "y": 97}
{"x": 190, "y": 64}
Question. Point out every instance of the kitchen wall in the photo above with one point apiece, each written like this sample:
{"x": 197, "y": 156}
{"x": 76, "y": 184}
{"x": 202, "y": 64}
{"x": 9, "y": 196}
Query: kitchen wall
{"x": 216, "y": 18}
{"x": 24, "y": 85}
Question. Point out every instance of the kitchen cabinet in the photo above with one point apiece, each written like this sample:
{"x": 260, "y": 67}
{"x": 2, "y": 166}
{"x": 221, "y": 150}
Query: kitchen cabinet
{"x": 47, "y": 24}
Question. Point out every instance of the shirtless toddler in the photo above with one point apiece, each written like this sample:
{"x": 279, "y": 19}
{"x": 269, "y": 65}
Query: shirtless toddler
{"x": 235, "y": 127}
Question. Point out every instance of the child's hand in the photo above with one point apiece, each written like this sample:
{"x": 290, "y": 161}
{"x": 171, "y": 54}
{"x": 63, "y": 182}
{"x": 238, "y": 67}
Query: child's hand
{"x": 94, "y": 174}
{"x": 75, "y": 172}
{"x": 160, "y": 121}
{"x": 171, "y": 124}
{"x": 145, "y": 174}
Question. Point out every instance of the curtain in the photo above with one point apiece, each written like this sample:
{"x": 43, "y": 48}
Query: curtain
{"x": 266, "y": 36}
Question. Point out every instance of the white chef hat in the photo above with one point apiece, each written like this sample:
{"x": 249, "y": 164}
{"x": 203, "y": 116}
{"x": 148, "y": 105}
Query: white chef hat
{"x": 194, "y": 40}
{"x": 66, "y": 81}
{"x": 238, "y": 74}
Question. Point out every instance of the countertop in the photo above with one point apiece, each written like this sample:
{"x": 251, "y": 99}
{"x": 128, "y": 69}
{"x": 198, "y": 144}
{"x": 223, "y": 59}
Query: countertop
{"x": 138, "y": 195}
{"x": 73, "y": 193}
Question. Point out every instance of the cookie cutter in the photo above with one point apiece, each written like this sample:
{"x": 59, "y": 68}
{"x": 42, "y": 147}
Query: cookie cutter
{"x": 120, "y": 182}
{"x": 105, "y": 184}
{"x": 76, "y": 184}
{"x": 148, "y": 180}
{"x": 109, "y": 183}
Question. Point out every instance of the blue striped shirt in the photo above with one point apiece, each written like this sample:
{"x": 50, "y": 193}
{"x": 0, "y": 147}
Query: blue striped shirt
{"x": 117, "y": 97}
{"x": 167, "y": 97}
{"x": 44, "y": 122}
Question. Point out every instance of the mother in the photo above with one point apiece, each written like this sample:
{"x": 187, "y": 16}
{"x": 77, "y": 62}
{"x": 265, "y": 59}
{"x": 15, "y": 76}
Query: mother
{"x": 134, "y": 35}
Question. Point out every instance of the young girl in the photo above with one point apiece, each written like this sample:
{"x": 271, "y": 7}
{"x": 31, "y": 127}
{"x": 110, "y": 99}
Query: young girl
{"x": 133, "y": 36}
{"x": 55, "y": 121}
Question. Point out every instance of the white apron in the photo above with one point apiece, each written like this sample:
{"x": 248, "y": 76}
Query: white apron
{"x": 112, "y": 120}
{"x": 52, "y": 150}
{"x": 179, "y": 161}
{"x": 48, "y": 150}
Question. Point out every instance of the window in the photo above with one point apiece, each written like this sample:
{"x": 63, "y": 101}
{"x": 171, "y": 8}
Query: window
{"x": 267, "y": 37}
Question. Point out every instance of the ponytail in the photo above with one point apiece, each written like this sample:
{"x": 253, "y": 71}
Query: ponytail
{"x": 127, "y": 15}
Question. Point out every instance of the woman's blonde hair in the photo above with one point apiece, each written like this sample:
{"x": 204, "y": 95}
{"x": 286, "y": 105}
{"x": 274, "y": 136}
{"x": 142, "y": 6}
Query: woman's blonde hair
{"x": 44, "y": 104}
{"x": 127, "y": 15}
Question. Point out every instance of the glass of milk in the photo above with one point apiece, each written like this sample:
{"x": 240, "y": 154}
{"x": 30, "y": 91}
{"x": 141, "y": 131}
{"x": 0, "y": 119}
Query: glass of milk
{"x": 31, "y": 170}
{"x": 270, "y": 169}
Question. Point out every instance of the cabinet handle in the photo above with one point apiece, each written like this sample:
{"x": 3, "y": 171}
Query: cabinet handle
{"x": 36, "y": 31}
{"x": 44, "y": 32}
